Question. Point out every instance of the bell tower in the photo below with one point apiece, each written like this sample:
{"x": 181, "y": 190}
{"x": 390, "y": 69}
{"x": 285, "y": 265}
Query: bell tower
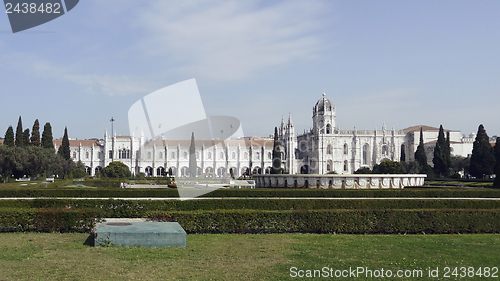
{"x": 324, "y": 116}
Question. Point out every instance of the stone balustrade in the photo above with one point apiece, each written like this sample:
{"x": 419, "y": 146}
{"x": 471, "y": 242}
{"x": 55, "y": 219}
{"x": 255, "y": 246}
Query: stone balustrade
{"x": 351, "y": 181}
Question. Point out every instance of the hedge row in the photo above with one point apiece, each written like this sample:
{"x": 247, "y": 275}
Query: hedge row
{"x": 47, "y": 220}
{"x": 138, "y": 208}
{"x": 336, "y": 221}
{"x": 395, "y": 221}
{"x": 90, "y": 192}
{"x": 171, "y": 192}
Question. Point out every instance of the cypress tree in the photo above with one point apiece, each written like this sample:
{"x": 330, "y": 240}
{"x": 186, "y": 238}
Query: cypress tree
{"x": 447, "y": 151}
{"x": 47, "y": 136}
{"x": 26, "y": 137}
{"x": 496, "y": 150}
{"x": 35, "y": 134}
{"x": 483, "y": 158}
{"x": 9, "y": 137}
{"x": 192, "y": 157}
{"x": 276, "y": 168}
{"x": 19, "y": 133}
{"x": 440, "y": 159}
{"x": 64, "y": 148}
{"x": 420, "y": 156}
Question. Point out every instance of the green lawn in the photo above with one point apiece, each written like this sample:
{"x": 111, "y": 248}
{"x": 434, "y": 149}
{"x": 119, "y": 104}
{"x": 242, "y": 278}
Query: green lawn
{"x": 39, "y": 256}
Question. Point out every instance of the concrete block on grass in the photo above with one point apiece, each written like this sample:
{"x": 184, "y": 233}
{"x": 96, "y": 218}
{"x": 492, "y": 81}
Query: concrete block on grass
{"x": 145, "y": 234}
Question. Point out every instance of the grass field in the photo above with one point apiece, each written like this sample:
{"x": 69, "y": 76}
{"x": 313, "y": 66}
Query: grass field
{"x": 51, "y": 256}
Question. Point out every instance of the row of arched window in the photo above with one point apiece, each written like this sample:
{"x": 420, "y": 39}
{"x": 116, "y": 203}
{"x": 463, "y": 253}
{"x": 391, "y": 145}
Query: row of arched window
{"x": 209, "y": 155}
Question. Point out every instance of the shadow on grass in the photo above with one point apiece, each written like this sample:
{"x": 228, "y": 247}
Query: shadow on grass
{"x": 89, "y": 241}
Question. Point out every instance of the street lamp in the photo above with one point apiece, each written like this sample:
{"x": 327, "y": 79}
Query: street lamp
{"x": 112, "y": 120}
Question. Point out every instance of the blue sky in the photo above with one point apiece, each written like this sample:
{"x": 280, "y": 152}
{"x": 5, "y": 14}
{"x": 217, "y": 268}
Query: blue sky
{"x": 402, "y": 62}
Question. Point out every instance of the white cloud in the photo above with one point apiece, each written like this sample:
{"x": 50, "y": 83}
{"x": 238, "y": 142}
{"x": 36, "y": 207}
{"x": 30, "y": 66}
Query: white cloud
{"x": 233, "y": 40}
{"x": 92, "y": 83}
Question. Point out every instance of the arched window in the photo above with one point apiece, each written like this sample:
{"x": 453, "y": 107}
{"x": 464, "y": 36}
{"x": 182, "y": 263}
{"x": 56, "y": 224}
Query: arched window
{"x": 328, "y": 129}
{"x": 74, "y": 154}
{"x": 403, "y": 153}
{"x": 172, "y": 155}
{"x": 233, "y": 155}
{"x": 257, "y": 155}
{"x": 365, "y": 154}
{"x": 160, "y": 155}
{"x": 149, "y": 155}
{"x": 384, "y": 150}
{"x": 185, "y": 155}
{"x": 209, "y": 155}
{"x": 98, "y": 155}
{"x": 329, "y": 149}
{"x": 269, "y": 155}
{"x": 345, "y": 165}
{"x": 345, "y": 148}
{"x": 245, "y": 156}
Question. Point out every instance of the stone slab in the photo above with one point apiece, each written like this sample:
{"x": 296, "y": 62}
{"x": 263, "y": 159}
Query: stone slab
{"x": 140, "y": 233}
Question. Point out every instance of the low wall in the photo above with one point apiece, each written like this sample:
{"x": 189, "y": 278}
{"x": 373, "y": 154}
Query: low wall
{"x": 354, "y": 181}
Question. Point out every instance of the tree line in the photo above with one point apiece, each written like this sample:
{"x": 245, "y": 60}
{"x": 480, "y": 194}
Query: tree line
{"x": 484, "y": 161}
{"x": 25, "y": 154}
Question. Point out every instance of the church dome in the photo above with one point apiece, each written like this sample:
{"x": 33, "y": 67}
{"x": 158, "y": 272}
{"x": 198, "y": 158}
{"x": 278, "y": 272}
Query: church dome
{"x": 323, "y": 104}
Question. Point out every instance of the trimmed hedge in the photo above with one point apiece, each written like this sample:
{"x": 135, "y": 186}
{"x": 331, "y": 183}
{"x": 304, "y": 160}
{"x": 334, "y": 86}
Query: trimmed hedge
{"x": 47, "y": 220}
{"x": 336, "y": 221}
{"x": 138, "y": 208}
{"x": 394, "y": 221}
{"x": 173, "y": 193}
{"x": 91, "y": 192}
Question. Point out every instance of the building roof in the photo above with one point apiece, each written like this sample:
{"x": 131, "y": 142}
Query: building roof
{"x": 424, "y": 128}
{"x": 323, "y": 104}
{"x": 74, "y": 143}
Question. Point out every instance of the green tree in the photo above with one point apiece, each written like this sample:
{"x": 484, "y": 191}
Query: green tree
{"x": 12, "y": 162}
{"x": 363, "y": 170}
{"x": 387, "y": 167}
{"x": 9, "y": 137}
{"x": 116, "y": 169}
{"x": 412, "y": 167}
{"x": 420, "y": 155}
{"x": 19, "y": 133}
{"x": 79, "y": 170}
{"x": 47, "y": 137}
{"x": 192, "y": 157}
{"x": 497, "y": 155}
{"x": 64, "y": 150}
{"x": 35, "y": 134}
{"x": 483, "y": 158}
{"x": 441, "y": 158}
{"x": 460, "y": 164}
{"x": 276, "y": 168}
{"x": 26, "y": 137}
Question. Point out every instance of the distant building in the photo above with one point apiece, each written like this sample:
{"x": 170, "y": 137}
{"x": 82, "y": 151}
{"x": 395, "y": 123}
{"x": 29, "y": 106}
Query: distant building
{"x": 324, "y": 148}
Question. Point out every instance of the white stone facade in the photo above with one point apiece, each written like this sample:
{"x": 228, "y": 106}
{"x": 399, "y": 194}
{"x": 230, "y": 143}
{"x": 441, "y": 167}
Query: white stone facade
{"x": 214, "y": 158}
{"x": 325, "y": 148}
